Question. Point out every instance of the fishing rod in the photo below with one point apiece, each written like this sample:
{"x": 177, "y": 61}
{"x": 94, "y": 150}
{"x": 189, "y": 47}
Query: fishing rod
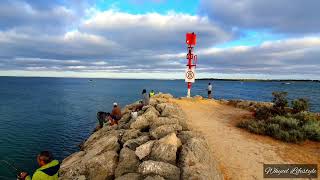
{"x": 12, "y": 166}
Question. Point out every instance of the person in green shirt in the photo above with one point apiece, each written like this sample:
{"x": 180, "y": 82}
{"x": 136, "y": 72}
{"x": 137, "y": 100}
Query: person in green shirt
{"x": 48, "y": 170}
{"x": 151, "y": 93}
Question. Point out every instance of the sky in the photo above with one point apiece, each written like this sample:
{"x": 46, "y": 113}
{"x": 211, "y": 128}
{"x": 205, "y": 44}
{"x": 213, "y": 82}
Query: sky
{"x": 273, "y": 39}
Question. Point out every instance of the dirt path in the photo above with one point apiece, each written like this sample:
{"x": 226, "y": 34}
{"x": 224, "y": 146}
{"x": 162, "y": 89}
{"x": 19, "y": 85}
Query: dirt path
{"x": 241, "y": 154}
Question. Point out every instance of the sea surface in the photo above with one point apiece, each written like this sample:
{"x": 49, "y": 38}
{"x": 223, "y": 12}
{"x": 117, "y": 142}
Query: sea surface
{"x": 57, "y": 114}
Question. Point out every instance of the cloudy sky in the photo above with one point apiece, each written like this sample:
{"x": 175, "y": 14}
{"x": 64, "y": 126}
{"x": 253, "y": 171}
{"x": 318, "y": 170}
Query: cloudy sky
{"x": 146, "y": 38}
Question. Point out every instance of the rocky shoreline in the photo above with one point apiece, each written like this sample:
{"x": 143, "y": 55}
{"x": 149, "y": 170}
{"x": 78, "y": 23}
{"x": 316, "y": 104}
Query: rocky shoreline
{"x": 157, "y": 145}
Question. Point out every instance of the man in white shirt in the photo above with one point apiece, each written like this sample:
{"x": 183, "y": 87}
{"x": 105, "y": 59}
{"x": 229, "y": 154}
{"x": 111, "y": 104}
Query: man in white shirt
{"x": 209, "y": 91}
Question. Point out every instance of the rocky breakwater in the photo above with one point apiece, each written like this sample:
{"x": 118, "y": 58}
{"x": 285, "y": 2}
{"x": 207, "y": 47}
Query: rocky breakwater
{"x": 156, "y": 145}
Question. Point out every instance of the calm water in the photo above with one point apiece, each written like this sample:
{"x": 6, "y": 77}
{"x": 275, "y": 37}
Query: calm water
{"x": 58, "y": 113}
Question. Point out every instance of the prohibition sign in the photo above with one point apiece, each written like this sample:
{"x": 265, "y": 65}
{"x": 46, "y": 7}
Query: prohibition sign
{"x": 190, "y": 75}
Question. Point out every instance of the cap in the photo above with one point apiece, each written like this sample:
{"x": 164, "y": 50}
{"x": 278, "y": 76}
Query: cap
{"x": 115, "y": 104}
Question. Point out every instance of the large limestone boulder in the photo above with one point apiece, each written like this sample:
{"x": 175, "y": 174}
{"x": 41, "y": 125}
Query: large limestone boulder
{"x": 163, "y": 169}
{"x": 104, "y": 144}
{"x": 130, "y": 134}
{"x": 171, "y": 139}
{"x": 164, "y": 121}
{"x": 144, "y": 150}
{"x": 128, "y": 162}
{"x": 164, "y": 130}
{"x": 196, "y": 161}
{"x": 103, "y": 132}
{"x": 184, "y": 136}
{"x": 130, "y": 176}
{"x": 134, "y": 143}
{"x": 145, "y": 120}
{"x": 164, "y": 152}
{"x": 102, "y": 166}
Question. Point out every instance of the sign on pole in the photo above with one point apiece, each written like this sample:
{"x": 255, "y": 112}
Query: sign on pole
{"x": 190, "y": 75}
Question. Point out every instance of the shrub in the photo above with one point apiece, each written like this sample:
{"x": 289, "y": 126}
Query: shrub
{"x": 263, "y": 113}
{"x": 312, "y": 130}
{"x": 280, "y": 102}
{"x": 285, "y": 122}
{"x": 257, "y": 127}
{"x": 299, "y": 105}
{"x": 305, "y": 116}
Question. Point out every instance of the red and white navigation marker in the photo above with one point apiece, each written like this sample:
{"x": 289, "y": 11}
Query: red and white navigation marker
{"x": 190, "y": 75}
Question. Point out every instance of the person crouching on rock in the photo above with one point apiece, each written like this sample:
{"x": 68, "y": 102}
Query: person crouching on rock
{"x": 101, "y": 116}
{"x": 48, "y": 168}
{"x": 115, "y": 115}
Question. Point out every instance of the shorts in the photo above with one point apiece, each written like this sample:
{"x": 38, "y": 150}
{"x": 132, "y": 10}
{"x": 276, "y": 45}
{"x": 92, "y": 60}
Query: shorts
{"x": 209, "y": 92}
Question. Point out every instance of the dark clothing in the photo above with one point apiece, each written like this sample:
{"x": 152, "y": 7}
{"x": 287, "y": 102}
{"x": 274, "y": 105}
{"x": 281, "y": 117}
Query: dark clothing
{"x": 209, "y": 92}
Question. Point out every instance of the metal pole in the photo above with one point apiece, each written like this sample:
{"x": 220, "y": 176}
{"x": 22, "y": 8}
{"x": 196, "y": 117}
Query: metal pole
{"x": 189, "y": 66}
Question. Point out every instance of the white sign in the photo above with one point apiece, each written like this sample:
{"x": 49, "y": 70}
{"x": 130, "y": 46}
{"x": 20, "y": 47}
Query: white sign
{"x": 190, "y": 75}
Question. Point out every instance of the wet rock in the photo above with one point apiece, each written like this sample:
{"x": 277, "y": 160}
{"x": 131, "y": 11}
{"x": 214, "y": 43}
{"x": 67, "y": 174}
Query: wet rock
{"x": 134, "y": 143}
{"x": 156, "y": 177}
{"x": 130, "y": 176}
{"x": 128, "y": 162}
{"x": 164, "y": 152}
{"x": 164, "y": 130}
{"x": 163, "y": 169}
{"x": 130, "y": 134}
{"x": 102, "y": 166}
{"x": 144, "y": 150}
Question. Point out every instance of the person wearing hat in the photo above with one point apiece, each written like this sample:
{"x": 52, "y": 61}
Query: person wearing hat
{"x": 115, "y": 114}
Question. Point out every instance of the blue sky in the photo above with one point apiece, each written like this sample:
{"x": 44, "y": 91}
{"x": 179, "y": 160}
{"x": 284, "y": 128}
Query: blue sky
{"x": 145, "y": 38}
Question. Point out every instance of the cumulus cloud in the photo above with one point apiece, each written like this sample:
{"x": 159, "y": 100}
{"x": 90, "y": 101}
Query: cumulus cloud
{"x": 297, "y": 56}
{"x": 284, "y": 16}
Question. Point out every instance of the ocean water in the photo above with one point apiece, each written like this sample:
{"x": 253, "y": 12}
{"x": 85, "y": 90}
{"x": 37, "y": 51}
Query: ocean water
{"x": 57, "y": 114}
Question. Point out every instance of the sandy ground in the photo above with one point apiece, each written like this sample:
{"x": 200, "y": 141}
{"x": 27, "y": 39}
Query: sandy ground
{"x": 241, "y": 154}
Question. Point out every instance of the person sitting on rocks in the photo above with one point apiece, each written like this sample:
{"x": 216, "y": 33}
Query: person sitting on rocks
{"x": 115, "y": 115}
{"x": 48, "y": 170}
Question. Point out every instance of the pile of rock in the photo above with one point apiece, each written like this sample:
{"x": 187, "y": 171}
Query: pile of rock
{"x": 155, "y": 145}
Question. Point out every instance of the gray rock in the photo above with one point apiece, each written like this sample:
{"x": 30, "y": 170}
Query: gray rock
{"x": 156, "y": 177}
{"x": 102, "y": 166}
{"x": 134, "y": 143}
{"x": 130, "y": 176}
{"x": 130, "y": 134}
{"x": 163, "y": 169}
{"x": 164, "y": 130}
{"x": 128, "y": 162}
{"x": 144, "y": 150}
{"x": 164, "y": 152}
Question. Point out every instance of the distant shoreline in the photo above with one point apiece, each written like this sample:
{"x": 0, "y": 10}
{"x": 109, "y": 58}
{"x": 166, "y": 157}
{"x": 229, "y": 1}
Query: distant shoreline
{"x": 200, "y": 79}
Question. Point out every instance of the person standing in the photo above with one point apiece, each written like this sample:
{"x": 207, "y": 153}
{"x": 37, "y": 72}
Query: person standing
{"x": 145, "y": 97}
{"x": 209, "y": 91}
